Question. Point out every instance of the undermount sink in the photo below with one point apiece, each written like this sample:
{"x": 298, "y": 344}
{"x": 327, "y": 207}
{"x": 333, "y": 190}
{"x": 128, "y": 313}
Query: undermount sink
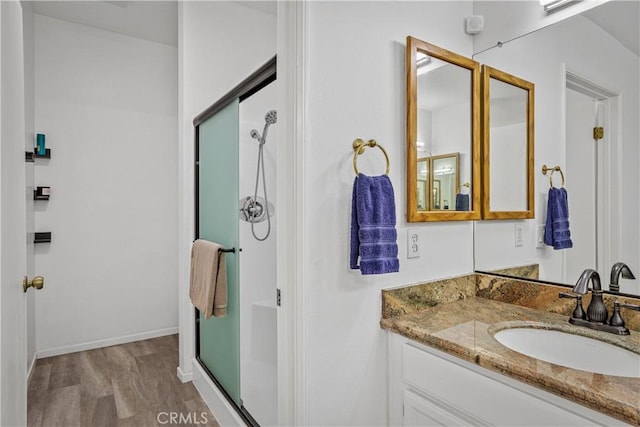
{"x": 572, "y": 351}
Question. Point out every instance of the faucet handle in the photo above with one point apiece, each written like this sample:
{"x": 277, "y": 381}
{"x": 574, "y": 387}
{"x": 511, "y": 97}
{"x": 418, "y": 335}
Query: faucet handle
{"x": 578, "y": 312}
{"x": 616, "y": 319}
{"x": 629, "y": 306}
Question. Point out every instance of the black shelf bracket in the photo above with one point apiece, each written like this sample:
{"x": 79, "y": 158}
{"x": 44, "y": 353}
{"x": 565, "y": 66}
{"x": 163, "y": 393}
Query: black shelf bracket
{"x": 46, "y": 155}
{"x": 44, "y": 237}
{"x": 41, "y": 193}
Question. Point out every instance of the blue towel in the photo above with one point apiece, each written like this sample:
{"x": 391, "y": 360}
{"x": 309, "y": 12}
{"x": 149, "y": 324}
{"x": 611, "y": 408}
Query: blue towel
{"x": 373, "y": 226}
{"x": 556, "y": 231}
{"x": 462, "y": 202}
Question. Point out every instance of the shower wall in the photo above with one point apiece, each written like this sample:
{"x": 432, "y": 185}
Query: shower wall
{"x": 258, "y": 339}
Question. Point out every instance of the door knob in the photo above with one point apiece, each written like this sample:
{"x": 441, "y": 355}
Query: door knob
{"x": 37, "y": 282}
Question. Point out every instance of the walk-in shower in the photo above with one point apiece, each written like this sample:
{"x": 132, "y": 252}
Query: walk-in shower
{"x": 256, "y": 209}
{"x": 239, "y": 351}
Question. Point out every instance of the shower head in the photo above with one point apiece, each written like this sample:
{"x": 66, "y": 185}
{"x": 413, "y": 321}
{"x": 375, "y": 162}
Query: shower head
{"x": 271, "y": 117}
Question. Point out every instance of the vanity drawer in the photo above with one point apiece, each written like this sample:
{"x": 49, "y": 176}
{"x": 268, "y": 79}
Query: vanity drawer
{"x": 472, "y": 395}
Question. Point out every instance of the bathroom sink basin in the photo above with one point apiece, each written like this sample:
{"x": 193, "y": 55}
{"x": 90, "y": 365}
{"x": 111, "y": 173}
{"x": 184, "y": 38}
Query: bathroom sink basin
{"x": 571, "y": 351}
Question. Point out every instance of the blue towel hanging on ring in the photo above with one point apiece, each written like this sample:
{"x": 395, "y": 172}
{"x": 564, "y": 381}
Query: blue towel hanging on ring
{"x": 556, "y": 231}
{"x": 373, "y": 226}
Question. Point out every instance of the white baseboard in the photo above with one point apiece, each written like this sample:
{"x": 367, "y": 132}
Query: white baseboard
{"x": 225, "y": 414}
{"x": 106, "y": 343}
{"x": 32, "y": 365}
{"x": 183, "y": 376}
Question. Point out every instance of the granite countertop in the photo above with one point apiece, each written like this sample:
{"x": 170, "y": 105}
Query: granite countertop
{"x": 465, "y": 326}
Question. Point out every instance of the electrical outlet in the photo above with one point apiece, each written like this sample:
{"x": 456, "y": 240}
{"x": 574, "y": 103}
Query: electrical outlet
{"x": 413, "y": 243}
{"x": 519, "y": 237}
{"x": 540, "y": 237}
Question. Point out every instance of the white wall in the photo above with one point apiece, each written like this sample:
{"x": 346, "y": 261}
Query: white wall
{"x": 425, "y": 120}
{"x": 616, "y": 69}
{"x": 356, "y": 89}
{"x": 107, "y": 104}
{"x": 508, "y": 177}
{"x": 451, "y": 135}
{"x": 505, "y": 20}
{"x": 220, "y": 44}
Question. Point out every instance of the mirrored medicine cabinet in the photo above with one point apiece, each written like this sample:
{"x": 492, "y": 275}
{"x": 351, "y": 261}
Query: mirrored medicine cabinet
{"x": 443, "y": 134}
{"x": 467, "y": 139}
{"x": 507, "y": 146}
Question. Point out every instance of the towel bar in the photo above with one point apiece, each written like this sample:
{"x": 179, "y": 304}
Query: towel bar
{"x": 358, "y": 148}
{"x": 232, "y": 250}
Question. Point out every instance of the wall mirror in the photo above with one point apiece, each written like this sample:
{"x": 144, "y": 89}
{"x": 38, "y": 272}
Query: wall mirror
{"x": 443, "y": 134}
{"x": 507, "y": 145}
{"x": 573, "y": 94}
{"x": 438, "y": 184}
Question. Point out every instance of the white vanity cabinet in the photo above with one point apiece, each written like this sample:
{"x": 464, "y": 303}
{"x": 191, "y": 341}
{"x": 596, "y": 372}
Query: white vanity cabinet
{"x": 431, "y": 388}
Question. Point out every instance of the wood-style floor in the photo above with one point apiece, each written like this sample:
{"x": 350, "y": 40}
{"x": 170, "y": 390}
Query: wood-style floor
{"x": 132, "y": 384}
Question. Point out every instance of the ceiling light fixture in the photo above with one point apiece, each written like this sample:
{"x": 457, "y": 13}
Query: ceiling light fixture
{"x": 443, "y": 171}
{"x": 553, "y": 5}
{"x": 422, "y": 60}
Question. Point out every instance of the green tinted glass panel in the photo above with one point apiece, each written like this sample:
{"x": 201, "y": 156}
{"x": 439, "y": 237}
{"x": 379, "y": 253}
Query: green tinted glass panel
{"x": 218, "y": 222}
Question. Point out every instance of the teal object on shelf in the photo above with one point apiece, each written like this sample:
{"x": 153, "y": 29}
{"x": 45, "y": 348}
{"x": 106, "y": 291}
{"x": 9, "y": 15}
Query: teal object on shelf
{"x": 40, "y": 147}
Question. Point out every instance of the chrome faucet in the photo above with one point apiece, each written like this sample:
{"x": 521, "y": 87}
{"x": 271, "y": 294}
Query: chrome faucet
{"x": 618, "y": 269}
{"x": 597, "y": 314}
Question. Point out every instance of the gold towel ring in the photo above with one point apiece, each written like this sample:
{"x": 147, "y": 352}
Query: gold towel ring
{"x": 358, "y": 148}
{"x": 545, "y": 169}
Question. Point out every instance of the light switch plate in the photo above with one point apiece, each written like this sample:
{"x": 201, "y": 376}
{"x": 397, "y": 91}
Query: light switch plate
{"x": 518, "y": 235}
{"x": 540, "y": 237}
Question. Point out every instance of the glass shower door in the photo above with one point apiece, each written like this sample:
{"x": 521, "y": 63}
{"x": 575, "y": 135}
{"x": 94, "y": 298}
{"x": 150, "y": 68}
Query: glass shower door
{"x": 217, "y": 221}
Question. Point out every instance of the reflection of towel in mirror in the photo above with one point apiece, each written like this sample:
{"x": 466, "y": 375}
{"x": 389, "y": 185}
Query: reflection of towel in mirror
{"x": 462, "y": 202}
{"x": 556, "y": 231}
{"x": 373, "y": 226}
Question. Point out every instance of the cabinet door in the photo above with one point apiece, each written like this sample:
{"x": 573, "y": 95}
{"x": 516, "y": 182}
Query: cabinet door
{"x": 419, "y": 411}
{"x": 468, "y": 392}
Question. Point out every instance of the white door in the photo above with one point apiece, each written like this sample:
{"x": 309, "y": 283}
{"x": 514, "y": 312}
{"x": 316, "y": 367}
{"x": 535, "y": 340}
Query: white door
{"x": 581, "y": 183}
{"x": 590, "y": 182}
{"x": 13, "y": 234}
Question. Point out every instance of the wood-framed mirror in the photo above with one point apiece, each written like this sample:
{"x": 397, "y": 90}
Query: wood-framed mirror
{"x": 443, "y": 117}
{"x": 508, "y": 146}
{"x": 439, "y": 186}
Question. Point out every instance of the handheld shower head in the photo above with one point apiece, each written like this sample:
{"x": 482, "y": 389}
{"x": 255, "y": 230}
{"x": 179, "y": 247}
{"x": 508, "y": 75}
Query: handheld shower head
{"x": 271, "y": 117}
